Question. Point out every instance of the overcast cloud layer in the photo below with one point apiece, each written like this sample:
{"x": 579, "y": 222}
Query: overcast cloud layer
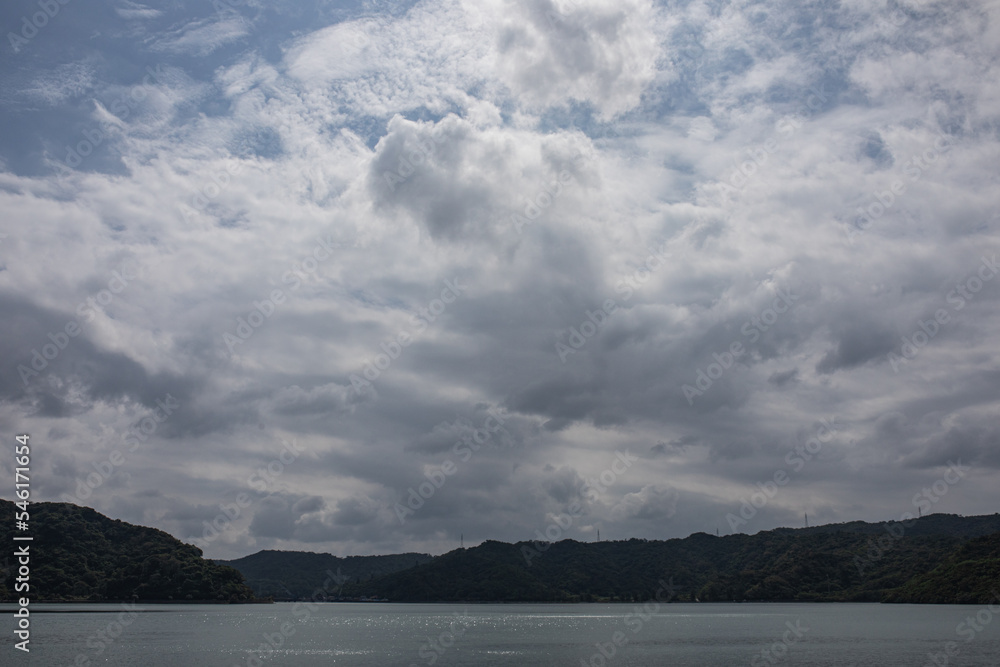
{"x": 634, "y": 257}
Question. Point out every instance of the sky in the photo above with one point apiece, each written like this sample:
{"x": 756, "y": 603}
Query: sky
{"x": 374, "y": 277}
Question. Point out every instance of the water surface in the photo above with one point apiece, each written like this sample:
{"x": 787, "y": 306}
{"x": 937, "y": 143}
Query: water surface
{"x": 526, "y": 635}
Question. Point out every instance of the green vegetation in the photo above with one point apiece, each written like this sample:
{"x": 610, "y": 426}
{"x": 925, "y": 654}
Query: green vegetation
{"x": 286, "y": 575}
{"x": 932, "y": 560}
{"x": 80, "y": 555}
{"x": 969, "y": 576}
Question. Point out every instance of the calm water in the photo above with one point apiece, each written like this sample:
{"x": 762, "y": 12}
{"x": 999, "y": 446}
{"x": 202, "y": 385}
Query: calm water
{"x": 523, "y": 635}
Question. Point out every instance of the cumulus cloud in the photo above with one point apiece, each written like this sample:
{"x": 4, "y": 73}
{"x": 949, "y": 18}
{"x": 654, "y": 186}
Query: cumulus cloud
{"x": 553, "y": 53}
{"x": 651, "y": 502}
{"x": 507, "y": 240}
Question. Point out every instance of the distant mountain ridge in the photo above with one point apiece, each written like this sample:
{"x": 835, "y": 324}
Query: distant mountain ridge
{"x": 303, "y": 574}
{"x": 932, "y": 524}
{"x": 939, "y": 558}
{"x": 81, "y": 555}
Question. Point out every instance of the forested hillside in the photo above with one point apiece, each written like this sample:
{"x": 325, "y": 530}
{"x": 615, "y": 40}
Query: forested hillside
{"x": 301, "y": 574}
{"x": 932, "y": 560}
{"x": 79, "y": 554}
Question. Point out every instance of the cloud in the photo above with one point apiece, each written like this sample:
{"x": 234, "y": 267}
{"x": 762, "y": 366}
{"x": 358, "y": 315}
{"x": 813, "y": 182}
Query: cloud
{"x": 652, "y": 502}
{"x": 457, "y": 181}
{"x": 637, "y": 183}
{"x": 601, "y": 53}
{"x": 66, "y": 82}
{"x": 202, "y": 37}
{"x": 134, "y": 11}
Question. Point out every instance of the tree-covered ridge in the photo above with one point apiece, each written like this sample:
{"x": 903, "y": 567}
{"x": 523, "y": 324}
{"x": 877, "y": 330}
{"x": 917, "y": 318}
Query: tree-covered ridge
{"x": 79, "y": 554}
{"x": 969, "y": 576}
{"x": 301, "y": 574}
{"x": 928, "y": 560}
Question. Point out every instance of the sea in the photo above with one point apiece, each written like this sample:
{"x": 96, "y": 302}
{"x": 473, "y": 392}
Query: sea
{"x": 526, "y": 635}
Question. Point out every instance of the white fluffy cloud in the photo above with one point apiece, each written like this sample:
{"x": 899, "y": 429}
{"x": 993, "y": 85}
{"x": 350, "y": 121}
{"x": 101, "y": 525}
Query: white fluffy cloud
{"x": 594, "y": 52}
{"x": 370, "y": 232}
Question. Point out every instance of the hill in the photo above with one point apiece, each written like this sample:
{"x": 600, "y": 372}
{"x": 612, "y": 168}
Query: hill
{"x": 939, "y": 558}
{"x": 969, "y": 576}
{"x": 80, "y": 555}
{"x": 951, "y": 525}
{"x": 286, "y": 575}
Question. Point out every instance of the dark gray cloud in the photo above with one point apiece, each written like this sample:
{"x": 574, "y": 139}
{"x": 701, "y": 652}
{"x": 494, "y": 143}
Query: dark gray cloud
{"x": 483, "y": 253}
